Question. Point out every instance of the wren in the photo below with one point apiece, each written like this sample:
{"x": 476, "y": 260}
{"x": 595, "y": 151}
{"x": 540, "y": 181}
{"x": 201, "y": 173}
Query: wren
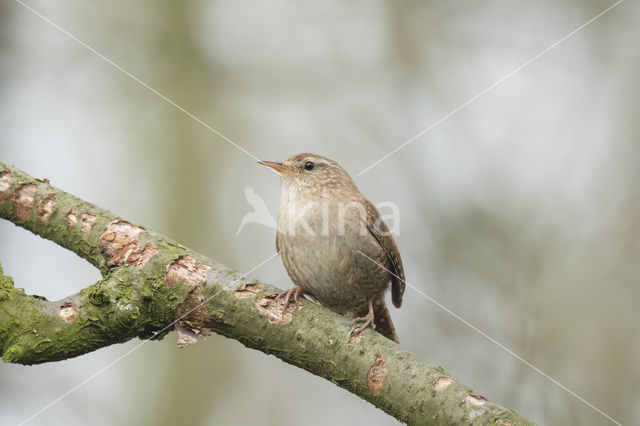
{"x": 334, "y": 245}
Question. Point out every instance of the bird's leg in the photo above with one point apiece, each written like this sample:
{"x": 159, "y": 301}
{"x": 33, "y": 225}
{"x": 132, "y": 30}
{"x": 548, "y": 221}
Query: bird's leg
{"x": 296, "y": 291}
{"x": 367, "y": 320}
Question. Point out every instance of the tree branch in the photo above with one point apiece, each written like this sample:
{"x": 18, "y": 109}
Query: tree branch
{"x": 149, "y": 281}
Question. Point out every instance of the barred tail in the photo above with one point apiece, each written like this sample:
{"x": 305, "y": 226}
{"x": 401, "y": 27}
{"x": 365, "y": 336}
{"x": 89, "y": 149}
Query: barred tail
{"x": 382, "y": 320}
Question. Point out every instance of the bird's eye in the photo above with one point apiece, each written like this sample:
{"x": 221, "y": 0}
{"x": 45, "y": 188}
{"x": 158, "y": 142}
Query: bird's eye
{"x": 309, "y": 165}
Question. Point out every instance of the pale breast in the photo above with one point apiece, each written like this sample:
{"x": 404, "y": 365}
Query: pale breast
{"x": 322, "y": 255}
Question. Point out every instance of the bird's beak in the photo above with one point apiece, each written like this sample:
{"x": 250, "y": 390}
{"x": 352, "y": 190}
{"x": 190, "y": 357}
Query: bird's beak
{"x": 278, "y": 167}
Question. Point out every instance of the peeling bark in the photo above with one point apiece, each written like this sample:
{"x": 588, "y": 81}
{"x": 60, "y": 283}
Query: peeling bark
{"x": 120, "y": 244}
{"x": 6, "y": 178}
{"x": 72, "y": 216}
{"x": 275, "y": 310}
{"x": 46, "y": 206}
{"x": 185, "y": 269}
{"x": 23, "y": 200}
{"x": 193, "y": 321}
{"x": 68, "y": 312}
{"x": 248, "y": 290}
{"x": 87, "y": 221}
{"x": 151, "y": 284}
{"x": 442, "y": 383}
{"x": 376, "y": 375}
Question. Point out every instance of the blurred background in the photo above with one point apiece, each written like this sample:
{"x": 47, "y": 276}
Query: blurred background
{"x": 520, "y": 212}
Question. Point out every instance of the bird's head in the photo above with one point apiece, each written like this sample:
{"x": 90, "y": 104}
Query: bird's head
{"x": 312, "y": 174}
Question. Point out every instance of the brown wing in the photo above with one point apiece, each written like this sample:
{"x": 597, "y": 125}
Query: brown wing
{"x": 277, "y": 243}
{"x": 379, "y": 230}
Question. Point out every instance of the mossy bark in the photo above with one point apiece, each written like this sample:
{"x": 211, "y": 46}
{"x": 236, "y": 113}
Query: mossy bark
{"x": 144, "y": 298}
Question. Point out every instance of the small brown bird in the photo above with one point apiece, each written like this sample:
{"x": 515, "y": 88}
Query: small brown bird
{"x": 326, "y": 229}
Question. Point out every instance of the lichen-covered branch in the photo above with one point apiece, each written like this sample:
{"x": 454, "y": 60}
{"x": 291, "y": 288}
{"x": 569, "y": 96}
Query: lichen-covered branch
{"x": 151, "y": 285}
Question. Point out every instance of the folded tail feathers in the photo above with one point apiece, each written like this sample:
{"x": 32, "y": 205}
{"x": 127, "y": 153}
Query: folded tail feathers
{"x": 382, "y": 321}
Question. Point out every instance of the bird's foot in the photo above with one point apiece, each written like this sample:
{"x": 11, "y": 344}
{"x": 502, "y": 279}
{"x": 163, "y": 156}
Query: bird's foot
{"x": 367, "y": 321}
{"x": 295, "y": 291}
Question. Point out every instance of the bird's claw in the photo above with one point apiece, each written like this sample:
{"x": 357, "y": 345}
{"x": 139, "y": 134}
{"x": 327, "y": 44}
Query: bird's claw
{"x": 368, "y": 323}
{"x": 295, "y": 291}
{"x": 367, "y": 320}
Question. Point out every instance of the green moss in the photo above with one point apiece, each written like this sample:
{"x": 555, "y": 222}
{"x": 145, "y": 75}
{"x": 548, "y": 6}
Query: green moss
{"x": 124, "y": 287}
{"x": 14, "y": 304}
{"x": 6, "y": 285}
{"x": 97, "y": 295}
{"x": 12, "y": 354}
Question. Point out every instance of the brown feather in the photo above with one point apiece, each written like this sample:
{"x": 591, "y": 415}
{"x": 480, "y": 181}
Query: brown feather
{"x": 382, "y": 321}
{"x": 379, "y": 230}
